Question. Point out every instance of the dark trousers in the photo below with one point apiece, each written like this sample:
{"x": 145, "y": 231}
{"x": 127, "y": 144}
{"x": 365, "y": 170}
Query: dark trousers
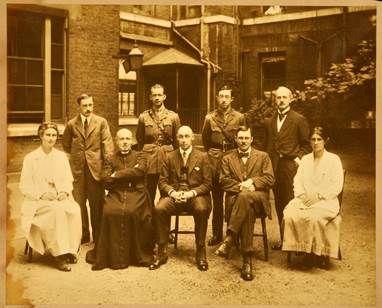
{"x": 199, "y": 207}
{"x": 85, "y": 188}
{"x": 152, "y": 183}
{"x": 247, "y": 206}
{"x": 283, "y": 188}
{"x": 218, "y": 209}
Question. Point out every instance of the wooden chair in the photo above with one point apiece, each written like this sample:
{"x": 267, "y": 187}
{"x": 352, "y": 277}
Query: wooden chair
{"x": 176, "y": 230}
{"x": 28, "y": 251}
{"x": 264, "y": 236}
{"x": 340, "y": 203}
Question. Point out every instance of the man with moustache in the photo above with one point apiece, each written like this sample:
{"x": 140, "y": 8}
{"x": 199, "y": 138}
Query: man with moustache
{"x": 246, "y": 176}
{"x": 185, "y": 182}
{"x": 126, "y": 233}
{"x": 88, "y": 140}
{"x": 287, "y": 140}
{"x": 218, "y": 136}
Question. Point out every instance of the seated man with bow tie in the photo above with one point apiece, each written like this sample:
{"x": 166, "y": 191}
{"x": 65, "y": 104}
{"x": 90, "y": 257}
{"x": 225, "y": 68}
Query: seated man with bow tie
{"x": 185, "y": 180}
{"x": 246, "y": 176}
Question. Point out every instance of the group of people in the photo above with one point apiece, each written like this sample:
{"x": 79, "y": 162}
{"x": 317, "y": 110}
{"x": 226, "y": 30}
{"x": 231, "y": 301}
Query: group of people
{"x": 126, "y": 223}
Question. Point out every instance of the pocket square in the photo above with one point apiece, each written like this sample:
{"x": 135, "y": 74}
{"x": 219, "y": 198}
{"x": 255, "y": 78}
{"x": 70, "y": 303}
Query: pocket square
{"x": 197, "y": 168}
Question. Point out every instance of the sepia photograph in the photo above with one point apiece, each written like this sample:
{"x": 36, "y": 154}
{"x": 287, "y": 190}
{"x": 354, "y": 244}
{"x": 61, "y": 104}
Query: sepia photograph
{"x": 194, "y": 153}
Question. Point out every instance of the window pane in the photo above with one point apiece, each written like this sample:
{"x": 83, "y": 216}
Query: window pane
{"x": 57, "y": 57}
{"x": 56, "y": 82}
{"x": 56, "y": 106}
{"x": 16, "y": 98}
{"x": 16, "y": 71}
{"x": 57, "y": 30}
{"x": 35, "y": 72}
{"x": 34, "y": 99}
{"x": 24, "y": 34}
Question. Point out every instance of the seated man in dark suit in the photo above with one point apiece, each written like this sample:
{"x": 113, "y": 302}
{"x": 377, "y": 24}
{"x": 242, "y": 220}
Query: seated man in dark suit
{"x": 186, "y": 181}
{"x": 246, "y": 176}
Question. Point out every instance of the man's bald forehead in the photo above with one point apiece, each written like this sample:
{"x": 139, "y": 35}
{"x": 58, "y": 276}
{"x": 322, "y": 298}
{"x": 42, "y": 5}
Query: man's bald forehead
{"x": 284, "y": 89}
{"x": 185, "y": 129}
{"x": 123, "y": 132}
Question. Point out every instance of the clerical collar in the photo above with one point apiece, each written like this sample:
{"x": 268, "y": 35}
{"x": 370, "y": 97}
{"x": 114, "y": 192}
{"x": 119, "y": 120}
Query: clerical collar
{"x": 125, "y": 152}
{"x": 285, "y": 111}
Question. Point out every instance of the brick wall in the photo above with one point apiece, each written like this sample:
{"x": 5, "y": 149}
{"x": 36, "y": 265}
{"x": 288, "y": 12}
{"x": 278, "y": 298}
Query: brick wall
{"x": 93, "y": 38}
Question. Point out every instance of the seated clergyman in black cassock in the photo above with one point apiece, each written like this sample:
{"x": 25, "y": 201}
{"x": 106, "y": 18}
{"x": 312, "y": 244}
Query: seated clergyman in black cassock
{"x": 126, "y": 234}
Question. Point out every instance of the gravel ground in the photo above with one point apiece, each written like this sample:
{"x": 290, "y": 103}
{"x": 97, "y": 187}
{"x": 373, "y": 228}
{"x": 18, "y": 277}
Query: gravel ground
{"x": 350, "y": 281}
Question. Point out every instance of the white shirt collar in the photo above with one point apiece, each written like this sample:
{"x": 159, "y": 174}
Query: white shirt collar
{"x": 284, "y": 111}
{"x": 188, "y": 151}
{"x": 248, "y": 151}
{"x": 83, "y": 118}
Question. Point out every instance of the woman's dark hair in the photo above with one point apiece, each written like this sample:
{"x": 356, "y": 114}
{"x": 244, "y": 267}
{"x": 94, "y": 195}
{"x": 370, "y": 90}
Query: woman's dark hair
{"x": 44, "y": 126}
{"x": 321, "y": 131}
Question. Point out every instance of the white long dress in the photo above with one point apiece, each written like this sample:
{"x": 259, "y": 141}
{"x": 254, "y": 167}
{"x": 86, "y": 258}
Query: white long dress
{"x": 52, "y": 226}
{"x": 315, "y": 229}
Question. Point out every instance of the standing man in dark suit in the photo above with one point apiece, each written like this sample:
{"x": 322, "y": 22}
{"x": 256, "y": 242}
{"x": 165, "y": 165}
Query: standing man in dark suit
{"x": 88, "y": 140}
{"x": 218, "y": 136}
{"x": 246, "y": 176}
{"x": 287, "y": 140}
{"x": 185, "y": 181}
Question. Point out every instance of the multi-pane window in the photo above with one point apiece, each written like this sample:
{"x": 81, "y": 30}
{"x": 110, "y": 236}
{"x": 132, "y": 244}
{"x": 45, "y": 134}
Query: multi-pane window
{"x": 127, "y": 93}
{"x": 273, "y": 71}
{"x": 35, "y": 48}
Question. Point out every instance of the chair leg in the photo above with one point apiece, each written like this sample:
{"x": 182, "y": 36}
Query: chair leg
{"x": 289, "y": 256}
{"x": 26, "y": 247}
{"x": 265, "y": 237}
{"x": 339, "y": 253}
{"x": 176, "y": 231}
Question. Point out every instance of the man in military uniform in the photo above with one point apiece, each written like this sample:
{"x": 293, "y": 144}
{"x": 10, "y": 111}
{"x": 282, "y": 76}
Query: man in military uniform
{"x": 218, "y": 136}
{"x": 156, "y": 135}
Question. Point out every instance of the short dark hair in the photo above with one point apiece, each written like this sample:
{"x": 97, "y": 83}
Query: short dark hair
{"x": 243, "y": 128}
{"x": 44, "y": 126}
{"x": 81, "y": 97}
{"x": 321, "y": 131}
{"x": 157, "y": 86}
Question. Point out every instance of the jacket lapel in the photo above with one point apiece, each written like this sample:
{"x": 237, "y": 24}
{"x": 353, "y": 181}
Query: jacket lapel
{"x": 192, "y": 161}
{"x": 236, "y": 163}
{"x": 92, "y": 125}
{"x": 251, "y": 161}
{"x": 274, "y": 124}
{"x": 178, "y": 163}
{"x": 287, "y": 122}
{"x": 78, "y": 125}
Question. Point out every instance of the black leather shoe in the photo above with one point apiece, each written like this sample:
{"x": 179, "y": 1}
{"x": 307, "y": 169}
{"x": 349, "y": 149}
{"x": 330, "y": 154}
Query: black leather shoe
{"x": 246, "y": 271}
{"x": 277, "y": 246}
{"x": 71, "y": 258}
{"x": 171, "y": 238}
{"x": 201, "y": 259}
{"x": 224, "y": 250}
{"x": 90, "y": 256}
{"x": 62, "y": 264}
{"x": 157, "y": 263}
{"x": 214, "y": 240}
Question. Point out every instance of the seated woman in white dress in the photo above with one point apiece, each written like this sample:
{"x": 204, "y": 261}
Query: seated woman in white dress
{"x": 50, "y": 218}
{"x": 308, "y": 223}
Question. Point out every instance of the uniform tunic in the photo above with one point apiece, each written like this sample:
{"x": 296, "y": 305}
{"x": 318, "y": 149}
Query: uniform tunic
{"x": 126, "y": 235}
{"x": 316, "y": 228}
{"x": 52, "y": 226}
{"x": 156, "y": 136}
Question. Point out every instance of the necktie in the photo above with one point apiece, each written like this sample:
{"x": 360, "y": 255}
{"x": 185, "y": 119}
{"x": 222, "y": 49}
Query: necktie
{"x": 282, "y": 116}
{"x": 184, "y": 156}
{"x": 86, "y": 125}
{"x": 243, "y": 154}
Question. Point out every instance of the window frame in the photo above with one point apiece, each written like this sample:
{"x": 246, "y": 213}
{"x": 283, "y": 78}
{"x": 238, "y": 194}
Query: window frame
{"x": 47, "y": 15}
